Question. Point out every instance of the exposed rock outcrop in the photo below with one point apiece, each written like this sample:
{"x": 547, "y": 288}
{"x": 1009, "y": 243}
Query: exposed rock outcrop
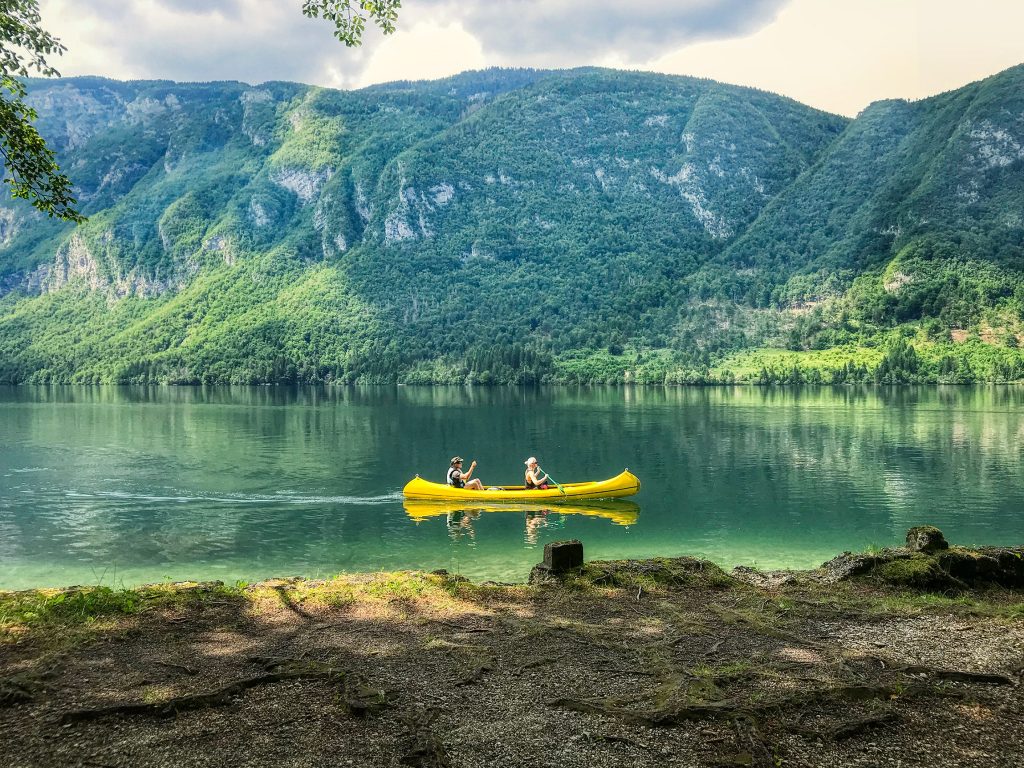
{"x": 305, "y": 184}
{"x": 254, "y": 104}
{"x": 927, "y": 563}
{"x": 671, "y": 571}
{"x": 74, "y": 262}
{"x": 9, "y": 226}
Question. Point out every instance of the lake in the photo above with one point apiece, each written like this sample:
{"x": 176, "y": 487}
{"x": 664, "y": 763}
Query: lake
{"x": 124, "y": 485}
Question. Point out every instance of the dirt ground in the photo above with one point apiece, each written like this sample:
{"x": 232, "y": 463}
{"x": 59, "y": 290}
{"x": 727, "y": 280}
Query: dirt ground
{"x": 653, "y": 663}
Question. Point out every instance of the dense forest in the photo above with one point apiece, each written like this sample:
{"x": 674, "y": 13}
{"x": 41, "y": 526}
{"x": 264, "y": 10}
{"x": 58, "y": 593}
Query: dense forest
{"x": 519, "y": 226}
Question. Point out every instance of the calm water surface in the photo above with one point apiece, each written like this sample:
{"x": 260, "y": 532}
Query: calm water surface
{"x": 122, "y": 485}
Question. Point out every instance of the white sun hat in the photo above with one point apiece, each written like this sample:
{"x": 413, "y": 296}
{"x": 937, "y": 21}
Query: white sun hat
{"x": 530, "y": 461}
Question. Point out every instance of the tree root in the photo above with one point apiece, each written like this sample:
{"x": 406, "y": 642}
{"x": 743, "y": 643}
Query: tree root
{"x": 362, "y": 699}
{"x": 422, "y": 748}
{"x": 475, "y": 674}
{"x": 16, "y": 690}
{"x": 670, "y": 716}
{"x": 459, "y": 627}
{"x": 856, "y": 727}
{"x": 187, "y": 670}
{"x": 957, "y": 675}
{"x": 761, "y": 755}
{"x": 216, "y": 698}
{"x": 542, "y": 662}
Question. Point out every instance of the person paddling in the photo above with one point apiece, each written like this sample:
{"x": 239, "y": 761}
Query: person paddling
{"x": 459, "y": 479}
{"x": 534, "y": 480}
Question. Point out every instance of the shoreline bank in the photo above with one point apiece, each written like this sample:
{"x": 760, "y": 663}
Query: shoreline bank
{"x": 908, "y": 656}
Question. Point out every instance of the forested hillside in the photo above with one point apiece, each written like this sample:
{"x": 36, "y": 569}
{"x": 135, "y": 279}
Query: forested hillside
{"x": 519, "y": 226}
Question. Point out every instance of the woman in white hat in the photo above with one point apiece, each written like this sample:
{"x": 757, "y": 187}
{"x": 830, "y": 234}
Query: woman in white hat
{"x": 533, "y": 479}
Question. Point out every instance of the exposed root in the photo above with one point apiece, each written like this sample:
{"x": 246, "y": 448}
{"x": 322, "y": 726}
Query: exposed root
{"x": 181, "y": 667}
{"x": 362, "y": 699}
{"x": 958, "y": 675}
{"x": 761, "y": 755}
{"x": 459, "y": 627}
{"x": 216, "y": 698}
{"x": 852, "y": 728}
{"x": 533, "y": 664}
{"x": 476, "y": 673}
{"x": 423, "y": 748}
{"x": 671, "y": 715}
{"x": 15, "y": 690}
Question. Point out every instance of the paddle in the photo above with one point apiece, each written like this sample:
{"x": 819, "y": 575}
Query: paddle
{"x": 557, "y": 484}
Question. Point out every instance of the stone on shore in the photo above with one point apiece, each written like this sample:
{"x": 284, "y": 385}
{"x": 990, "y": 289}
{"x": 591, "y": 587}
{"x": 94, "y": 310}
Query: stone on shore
{"x": 562, "y": 556}
{"x": 926, "y": 538}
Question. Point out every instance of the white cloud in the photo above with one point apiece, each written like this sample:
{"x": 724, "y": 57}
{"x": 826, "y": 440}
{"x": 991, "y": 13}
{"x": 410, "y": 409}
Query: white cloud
{"x": 835, "y": 55}
{"x": 423, "y": 51}
{"x": 256, "y": 40}
{"x": 247, "y": 40}
{"x": 570, "y": 32}
{"x": 842, "y": 56}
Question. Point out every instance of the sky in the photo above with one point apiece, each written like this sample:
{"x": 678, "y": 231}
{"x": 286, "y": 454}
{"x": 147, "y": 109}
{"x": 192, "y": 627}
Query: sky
{"x": 837, "y": 55}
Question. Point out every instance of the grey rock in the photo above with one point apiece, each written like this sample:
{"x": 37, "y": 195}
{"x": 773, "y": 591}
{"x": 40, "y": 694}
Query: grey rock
{"x": 926, "y": 538}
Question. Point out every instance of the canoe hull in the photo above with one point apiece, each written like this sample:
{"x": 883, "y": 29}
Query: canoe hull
{"x": 623, "y": 484}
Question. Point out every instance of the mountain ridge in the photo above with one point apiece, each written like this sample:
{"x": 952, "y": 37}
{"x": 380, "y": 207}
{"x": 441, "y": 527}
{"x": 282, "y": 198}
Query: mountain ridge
{"x": 537, "y": 218}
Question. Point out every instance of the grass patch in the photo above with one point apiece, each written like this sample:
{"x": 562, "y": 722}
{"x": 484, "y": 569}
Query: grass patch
{"x": 45, "y": 607}
{"x": 54, "y": 613}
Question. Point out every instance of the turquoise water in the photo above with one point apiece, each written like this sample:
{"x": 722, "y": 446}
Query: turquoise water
{"x": 122, "y": 485}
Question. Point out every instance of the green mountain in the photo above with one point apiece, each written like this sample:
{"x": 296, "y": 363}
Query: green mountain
{"x": 517, "y": 226}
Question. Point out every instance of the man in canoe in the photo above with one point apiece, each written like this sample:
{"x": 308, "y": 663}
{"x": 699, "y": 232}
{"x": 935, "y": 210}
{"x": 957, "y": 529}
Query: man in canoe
{"x": 458, "y": 479}
{"x": 533, "y": 479}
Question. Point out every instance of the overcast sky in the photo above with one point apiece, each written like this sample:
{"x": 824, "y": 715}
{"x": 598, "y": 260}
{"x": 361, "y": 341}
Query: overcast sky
{"x": 838, "y": 55}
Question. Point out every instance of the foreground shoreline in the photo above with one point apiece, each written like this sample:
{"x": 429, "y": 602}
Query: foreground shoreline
{"x": 909, "y": 656}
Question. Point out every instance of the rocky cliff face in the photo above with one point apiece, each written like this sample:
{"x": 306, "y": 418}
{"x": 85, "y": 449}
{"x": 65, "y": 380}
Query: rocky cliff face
{"x": 277, "y": 163}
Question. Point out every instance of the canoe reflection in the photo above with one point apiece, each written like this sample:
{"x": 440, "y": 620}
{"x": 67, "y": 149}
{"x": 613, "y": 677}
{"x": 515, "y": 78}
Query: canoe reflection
{"x": 461, "y": 515}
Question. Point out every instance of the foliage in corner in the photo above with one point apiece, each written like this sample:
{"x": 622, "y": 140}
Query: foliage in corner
{"x": 30, "y": 167}
{"x": 350, "y": 16}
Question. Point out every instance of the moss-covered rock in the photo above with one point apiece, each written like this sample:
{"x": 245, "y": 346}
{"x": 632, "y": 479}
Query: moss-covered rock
{"x": 850, "y": 564}
{"x": 926, "y": 538}
{"x": 991, "y": 565}
{"x": 928, "y": 562}
{"x": 917, "y": 571}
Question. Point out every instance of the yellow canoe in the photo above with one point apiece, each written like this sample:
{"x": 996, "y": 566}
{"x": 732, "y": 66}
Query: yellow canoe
{"x": 624, "y": 484}
{"x": 619, "y": 512}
